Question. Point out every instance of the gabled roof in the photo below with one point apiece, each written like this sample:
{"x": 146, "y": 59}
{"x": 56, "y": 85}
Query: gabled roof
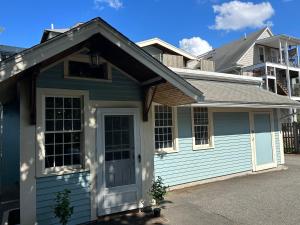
{"x": 228, "y": 90}
{"x": 157, "y": 41}
{"x": 99, "y": 32}
{"x": 50, "y": 33}
{"x": 228, "y": 55}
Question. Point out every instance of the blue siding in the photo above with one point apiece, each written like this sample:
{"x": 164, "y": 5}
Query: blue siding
{"x": 231, "y": 154}
{"x": 47, "y": 187}
{"x": 11, "y": 144}
{"x": 121, "y": 88}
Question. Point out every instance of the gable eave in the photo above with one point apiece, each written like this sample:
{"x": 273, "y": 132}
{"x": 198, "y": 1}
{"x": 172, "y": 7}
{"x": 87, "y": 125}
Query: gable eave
{"x": 253, "y": 43}
{"x": 164, "y": 44}
{"x": 41, "y": 52}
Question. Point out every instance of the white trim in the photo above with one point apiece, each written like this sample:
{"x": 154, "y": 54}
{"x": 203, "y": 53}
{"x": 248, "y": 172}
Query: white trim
{"x": 205, "y": 75}
{"x": 40, "y": 146}
{"x": 282, "y": 156}
{"x": 101, "y": 187}
{"x": 27, "y": 159}
{"x": 243, "y": 105}
{"x": 211, "y": 137}
{"x": 160, "y": 42}
{"x": 175, "y": 147}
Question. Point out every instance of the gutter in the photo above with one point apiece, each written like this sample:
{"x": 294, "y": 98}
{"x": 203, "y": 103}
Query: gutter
{"x": 215, "y": 76}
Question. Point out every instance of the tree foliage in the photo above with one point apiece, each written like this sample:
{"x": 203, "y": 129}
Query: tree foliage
{"x": 63, "y": 209}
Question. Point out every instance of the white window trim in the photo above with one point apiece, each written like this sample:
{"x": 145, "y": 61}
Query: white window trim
{"x": 85, "y": 59}
{"x": 211, "y": 138}
{"x": 174, "y": 149}
{"x": 40, "y": 131}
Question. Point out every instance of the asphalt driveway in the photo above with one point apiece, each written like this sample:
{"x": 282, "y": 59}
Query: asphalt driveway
{"x": 267, "y": 198}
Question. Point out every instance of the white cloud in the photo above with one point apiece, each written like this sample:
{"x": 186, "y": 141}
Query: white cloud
{"x": 236, "y": 15}
{"x": 195, "y": 45}
{"x": 100, "y": 4}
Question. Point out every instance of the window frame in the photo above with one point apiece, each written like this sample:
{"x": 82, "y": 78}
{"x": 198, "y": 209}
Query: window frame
{"x": 42, "y": 93}
{"x": 173, "y": 149}
{"x": 81, "y": 131}
{"x": 210, "y": 128}
{"x": 263, "y": 54}
{"x": 85, "y": 59}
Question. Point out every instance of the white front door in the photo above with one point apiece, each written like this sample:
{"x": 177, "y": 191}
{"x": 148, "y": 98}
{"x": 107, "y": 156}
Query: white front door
{"x": 118, "y": 148}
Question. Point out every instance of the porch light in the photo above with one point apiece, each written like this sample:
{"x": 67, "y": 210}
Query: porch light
{"x": 95, "y": 58}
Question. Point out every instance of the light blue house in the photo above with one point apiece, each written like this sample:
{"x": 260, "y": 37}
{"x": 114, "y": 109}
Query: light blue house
{"x": 91, "y": 111}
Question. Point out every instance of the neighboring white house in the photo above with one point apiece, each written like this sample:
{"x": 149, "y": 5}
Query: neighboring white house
{"x": 274, "y": 58}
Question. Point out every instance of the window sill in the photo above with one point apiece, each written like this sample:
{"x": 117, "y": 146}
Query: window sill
{"x": 201, "y": 148}
{"x": 165, "y": 151}
{"x": 62, "y": 171}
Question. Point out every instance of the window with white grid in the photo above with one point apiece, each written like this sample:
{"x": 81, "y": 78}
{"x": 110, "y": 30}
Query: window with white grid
{"x": 163, "y": 127}
{"x": 63, "y": 131}
{"x": 201, "y": 126}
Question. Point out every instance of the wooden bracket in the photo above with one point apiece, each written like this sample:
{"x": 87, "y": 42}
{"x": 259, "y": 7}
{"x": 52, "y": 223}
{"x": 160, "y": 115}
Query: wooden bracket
{"x": 148, "y": 95}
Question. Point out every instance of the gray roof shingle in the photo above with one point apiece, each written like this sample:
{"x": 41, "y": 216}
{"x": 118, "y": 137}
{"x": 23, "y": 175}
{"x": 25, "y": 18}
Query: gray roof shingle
{"x": 229, "y": 54}
{"x": 239, "y": 94}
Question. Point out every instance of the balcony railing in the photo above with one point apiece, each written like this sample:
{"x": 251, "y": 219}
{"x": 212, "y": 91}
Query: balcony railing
{"x": 293, "y": 61}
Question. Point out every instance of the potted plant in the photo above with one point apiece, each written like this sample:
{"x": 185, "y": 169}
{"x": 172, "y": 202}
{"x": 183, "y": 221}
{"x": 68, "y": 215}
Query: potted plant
{"x": 63, "y": 209}
{"x": 158, "y": 191}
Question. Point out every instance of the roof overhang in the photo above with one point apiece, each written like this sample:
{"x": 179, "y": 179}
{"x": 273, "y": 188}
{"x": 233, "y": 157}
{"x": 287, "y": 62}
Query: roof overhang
{"x": 51, "y": 48}
{"x": 273, "y": 41}
{"x": 226, "y": 90}
{"x": 157, "y": 41}
{"x": 216, "y": 76}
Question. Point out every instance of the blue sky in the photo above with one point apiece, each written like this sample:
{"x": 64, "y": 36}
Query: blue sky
{"x": 216, "y": 21}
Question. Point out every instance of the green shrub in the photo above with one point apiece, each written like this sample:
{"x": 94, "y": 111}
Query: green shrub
{"x": 63, "y": 209}
{"x": 158, "y": 190}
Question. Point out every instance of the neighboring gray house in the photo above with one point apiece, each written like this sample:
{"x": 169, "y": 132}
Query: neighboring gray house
{"x": 274, "y": 58}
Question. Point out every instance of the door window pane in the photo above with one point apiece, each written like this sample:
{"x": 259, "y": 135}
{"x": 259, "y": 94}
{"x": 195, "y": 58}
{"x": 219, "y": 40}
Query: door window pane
{"x": 119, "y": 150}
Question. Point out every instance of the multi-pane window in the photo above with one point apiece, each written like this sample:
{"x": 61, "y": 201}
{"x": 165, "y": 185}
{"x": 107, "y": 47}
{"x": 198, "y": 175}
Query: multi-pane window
{"x": 164, "y": 127}
{"x": 201, "y": 126}
{"x": 62, "y": 131}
